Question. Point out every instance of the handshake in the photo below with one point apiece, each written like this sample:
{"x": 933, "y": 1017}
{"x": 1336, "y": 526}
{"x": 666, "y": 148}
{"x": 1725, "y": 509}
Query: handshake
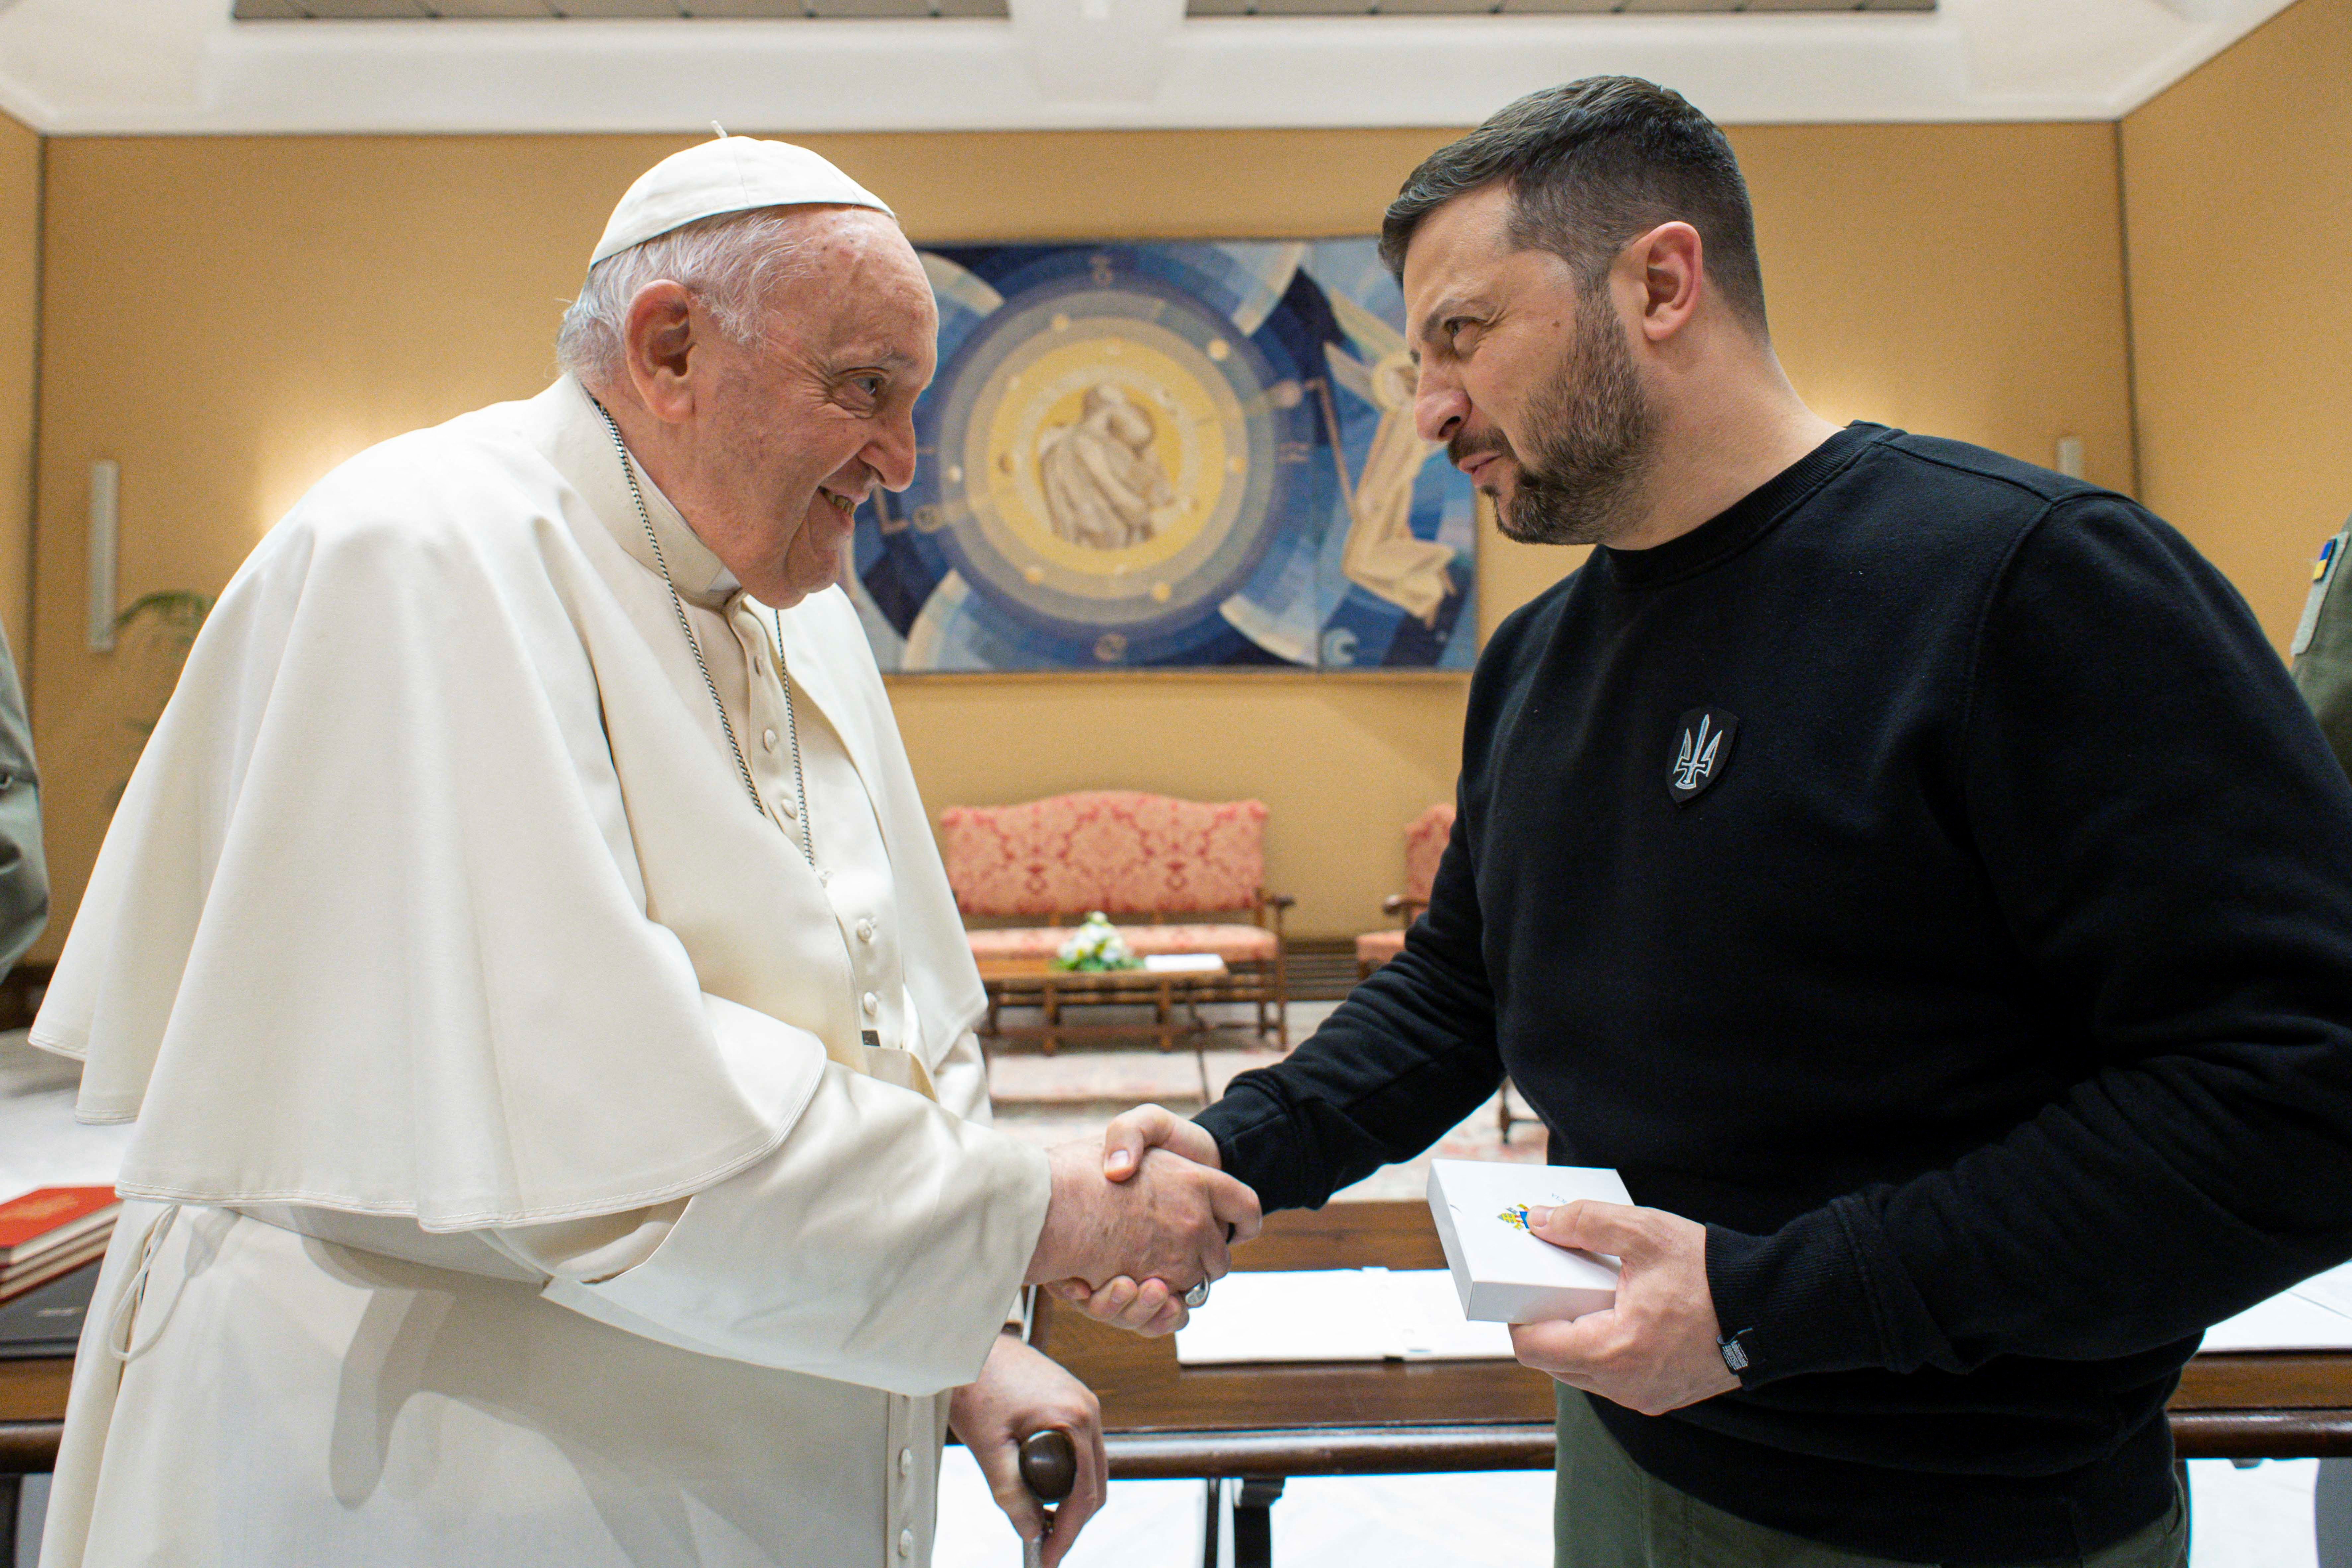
{"x": 1136, "y": 1222}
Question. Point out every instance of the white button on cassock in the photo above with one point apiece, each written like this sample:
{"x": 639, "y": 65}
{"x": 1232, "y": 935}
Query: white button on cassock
{"x": 784, "y": 804}
{"x": 865, "y": 930}
{"x": 906, "y": 1463}
{"x": 905, "y": 1543}
{"x": 768, "y": 739}
{"x": 872, "y": 1004}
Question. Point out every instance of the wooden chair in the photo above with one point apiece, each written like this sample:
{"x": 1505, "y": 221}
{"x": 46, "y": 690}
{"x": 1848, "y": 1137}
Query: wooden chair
{"x": 1425, "y": 838}
{"x": 1424, "y": 845}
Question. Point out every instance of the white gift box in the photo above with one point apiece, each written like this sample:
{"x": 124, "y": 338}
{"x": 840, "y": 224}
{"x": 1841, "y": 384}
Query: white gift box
{"x": 1503, "y": 1274}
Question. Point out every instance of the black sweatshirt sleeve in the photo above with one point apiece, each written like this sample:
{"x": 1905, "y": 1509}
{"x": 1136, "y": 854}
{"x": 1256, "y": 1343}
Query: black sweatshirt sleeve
{"x": 1405, "y": 1057}
{"x": 2170, "y": 843}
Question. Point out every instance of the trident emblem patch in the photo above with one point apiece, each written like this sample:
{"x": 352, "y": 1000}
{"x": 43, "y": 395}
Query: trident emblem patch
{"x": 1702, "y": 750}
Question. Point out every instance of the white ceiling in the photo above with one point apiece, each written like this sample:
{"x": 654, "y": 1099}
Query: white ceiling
{"x": 98, "y": 67}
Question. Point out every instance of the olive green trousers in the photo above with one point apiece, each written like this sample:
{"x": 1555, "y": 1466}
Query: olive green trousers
{"x": 1608, "y": 1513}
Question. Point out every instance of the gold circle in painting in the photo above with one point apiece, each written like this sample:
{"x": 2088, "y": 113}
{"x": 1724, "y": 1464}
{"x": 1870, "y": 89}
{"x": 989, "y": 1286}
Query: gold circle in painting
{"x": 1196, "y": 446}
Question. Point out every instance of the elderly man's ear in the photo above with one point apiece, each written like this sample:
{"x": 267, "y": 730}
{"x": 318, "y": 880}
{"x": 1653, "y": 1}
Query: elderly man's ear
{"x": 659, "y": 341}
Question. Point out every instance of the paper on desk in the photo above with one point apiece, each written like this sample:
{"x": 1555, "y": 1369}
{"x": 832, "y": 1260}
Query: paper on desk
{"x": 2316, "y": 1315}
{"x": 2332, "y": 1289}
{"x": 1337, "y": 1314}
{"x": 1182, "y": 963}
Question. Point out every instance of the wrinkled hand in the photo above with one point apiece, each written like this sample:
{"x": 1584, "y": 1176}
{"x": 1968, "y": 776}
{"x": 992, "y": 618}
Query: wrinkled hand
{"x": 1021, "y": 1391}
{"x": 1656, "y": 1349}
{"x": 1151, "y": 1308}
{"x": 1171, "y": 1220}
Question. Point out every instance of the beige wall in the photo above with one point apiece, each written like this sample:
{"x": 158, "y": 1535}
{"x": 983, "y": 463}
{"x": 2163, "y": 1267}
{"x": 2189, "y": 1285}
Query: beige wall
{"x": 2238, "y": 185}
{"x": 20, "y": 277}
{"x": 228, "y": 317}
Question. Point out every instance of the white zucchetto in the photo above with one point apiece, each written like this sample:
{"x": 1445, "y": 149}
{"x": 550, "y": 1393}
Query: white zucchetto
{"x": 729, "y": 174}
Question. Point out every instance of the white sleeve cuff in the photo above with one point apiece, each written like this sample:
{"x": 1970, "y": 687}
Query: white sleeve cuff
{"x": 877, "y": 1245}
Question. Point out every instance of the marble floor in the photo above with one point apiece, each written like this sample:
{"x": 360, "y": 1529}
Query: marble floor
{"x": 2254, "y": 1518}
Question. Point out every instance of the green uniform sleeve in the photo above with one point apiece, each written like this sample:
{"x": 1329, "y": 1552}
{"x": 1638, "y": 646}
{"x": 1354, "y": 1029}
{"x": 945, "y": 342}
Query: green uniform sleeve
{"x": 24, "y": 871}
{"x": 2323, "y": 650}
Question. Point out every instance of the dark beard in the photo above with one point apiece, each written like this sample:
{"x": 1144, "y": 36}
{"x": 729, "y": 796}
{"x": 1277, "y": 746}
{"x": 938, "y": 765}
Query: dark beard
{"x": 1589, "y": 438}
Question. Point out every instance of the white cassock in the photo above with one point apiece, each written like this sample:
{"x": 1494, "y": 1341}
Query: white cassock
{"x": 538, "y": 1157}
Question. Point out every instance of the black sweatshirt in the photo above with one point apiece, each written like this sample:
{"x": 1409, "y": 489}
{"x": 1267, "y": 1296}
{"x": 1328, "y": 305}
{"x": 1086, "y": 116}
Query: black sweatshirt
{"x": 1988, "y": 997}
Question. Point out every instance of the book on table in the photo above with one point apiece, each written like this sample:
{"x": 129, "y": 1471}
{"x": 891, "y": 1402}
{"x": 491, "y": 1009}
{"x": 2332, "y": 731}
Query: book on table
{"x": 52, "y": 1231}
{"x": 45, "y": 1321}
{"x": 1183, "y": 964}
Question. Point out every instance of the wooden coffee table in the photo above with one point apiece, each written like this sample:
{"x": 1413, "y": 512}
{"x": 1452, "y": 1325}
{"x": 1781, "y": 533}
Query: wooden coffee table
{"x": 1036, "y": 983}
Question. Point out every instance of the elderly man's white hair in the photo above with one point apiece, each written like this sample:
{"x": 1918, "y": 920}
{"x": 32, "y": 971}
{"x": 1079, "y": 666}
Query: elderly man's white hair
{"x": 730, "y": 263}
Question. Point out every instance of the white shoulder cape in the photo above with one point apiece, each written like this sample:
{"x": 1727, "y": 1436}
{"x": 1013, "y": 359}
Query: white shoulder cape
{"x": 431, "y": 897}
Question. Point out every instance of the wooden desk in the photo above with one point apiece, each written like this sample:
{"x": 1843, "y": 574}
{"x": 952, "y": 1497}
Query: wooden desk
{"x": 1161, "y": 1420}
{"x": 1039, "y": 983}
{"x": 1348, "y": 1418}
{"x": 1262, "y": 1424}
{"x": 32, "y": 1415}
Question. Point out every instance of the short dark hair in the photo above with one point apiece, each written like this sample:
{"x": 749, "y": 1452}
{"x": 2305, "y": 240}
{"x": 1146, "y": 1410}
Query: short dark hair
{"x": 1590, "y": 166}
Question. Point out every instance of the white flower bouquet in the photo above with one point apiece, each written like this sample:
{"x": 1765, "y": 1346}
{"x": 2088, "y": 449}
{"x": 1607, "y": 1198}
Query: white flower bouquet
{"x": 1095, "y": 945}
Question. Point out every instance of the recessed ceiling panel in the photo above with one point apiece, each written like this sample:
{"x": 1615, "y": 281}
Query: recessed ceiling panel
{"x": 1551, "y": 7}
{"x": 1541, "y": 7}
{"x": 847, "y": 8}
{"x": 363, "y": 10}
{"x": 68, "y": 68}
{"x": 611, "y": 10}
{"x": 796, "y": 10}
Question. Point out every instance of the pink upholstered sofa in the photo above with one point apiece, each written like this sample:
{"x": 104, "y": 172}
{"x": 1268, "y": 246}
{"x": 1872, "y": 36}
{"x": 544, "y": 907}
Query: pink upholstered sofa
{"x": 1172, "y": 862}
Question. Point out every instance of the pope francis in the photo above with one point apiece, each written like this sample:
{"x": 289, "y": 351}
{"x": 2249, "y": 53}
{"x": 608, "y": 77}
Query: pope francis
{"x": 561, "y": 1136}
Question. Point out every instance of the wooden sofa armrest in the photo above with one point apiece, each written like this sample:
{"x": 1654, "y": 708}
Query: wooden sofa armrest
{"x": 1404, "y": 906}
{"x": 1273, "y": 904}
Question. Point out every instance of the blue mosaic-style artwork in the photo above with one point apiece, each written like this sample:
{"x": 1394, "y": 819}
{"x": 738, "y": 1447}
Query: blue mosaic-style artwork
{"x": 1158, "y": 456}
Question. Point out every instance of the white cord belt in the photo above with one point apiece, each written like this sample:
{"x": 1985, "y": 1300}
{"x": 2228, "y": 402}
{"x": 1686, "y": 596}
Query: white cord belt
{"x": 126, "y": 1306}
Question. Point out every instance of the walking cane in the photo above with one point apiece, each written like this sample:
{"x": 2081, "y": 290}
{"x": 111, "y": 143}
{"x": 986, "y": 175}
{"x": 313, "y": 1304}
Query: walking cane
{"x": 1049, "y": 1468}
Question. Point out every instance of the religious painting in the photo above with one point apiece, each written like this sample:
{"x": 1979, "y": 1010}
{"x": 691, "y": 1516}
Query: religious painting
{"x": 1158, "y": 456}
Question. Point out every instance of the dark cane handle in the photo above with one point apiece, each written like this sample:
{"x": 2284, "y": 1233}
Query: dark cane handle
{"x": 1049, "y": 1464}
